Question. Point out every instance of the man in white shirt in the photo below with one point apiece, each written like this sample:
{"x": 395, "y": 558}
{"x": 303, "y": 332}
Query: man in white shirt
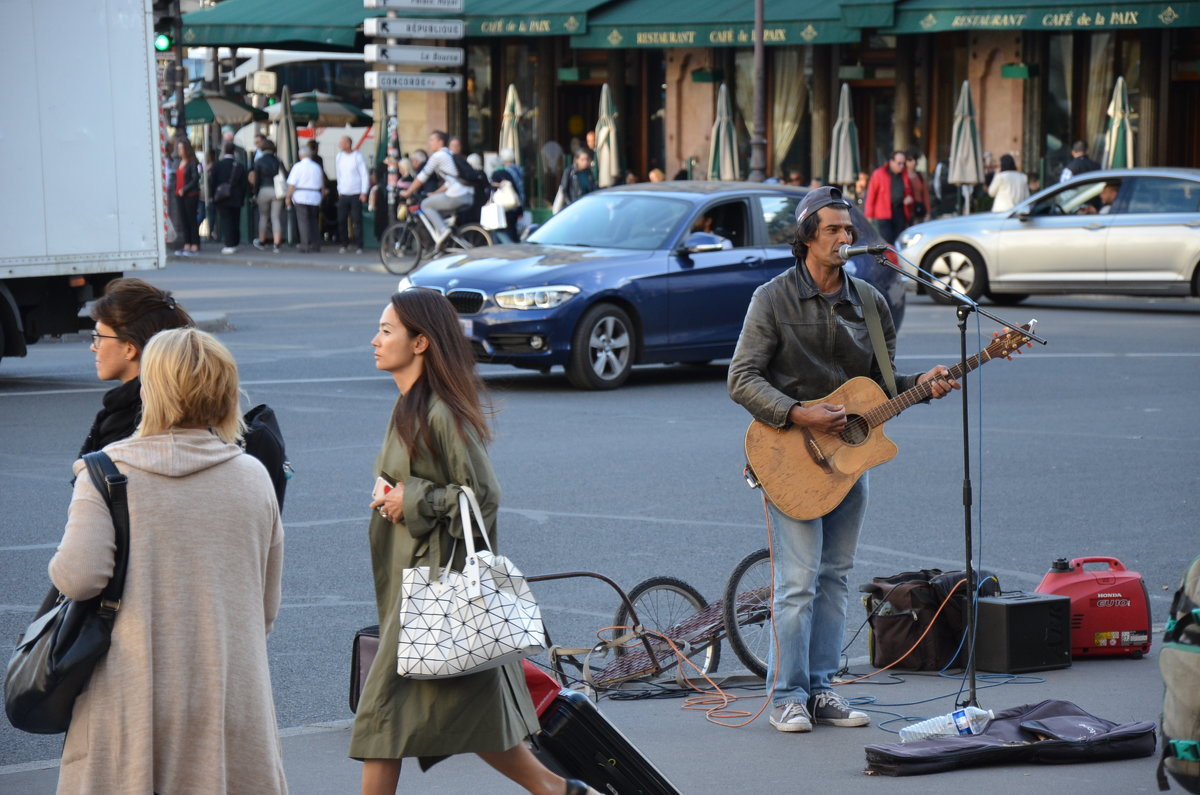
{"x": 353, "y": 185}
{"x": 306, "y": 183}
{"x": 452, "y": 196}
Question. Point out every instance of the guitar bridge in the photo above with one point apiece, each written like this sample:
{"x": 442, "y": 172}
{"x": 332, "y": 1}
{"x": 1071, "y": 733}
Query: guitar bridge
{"x": 814, "y": 450}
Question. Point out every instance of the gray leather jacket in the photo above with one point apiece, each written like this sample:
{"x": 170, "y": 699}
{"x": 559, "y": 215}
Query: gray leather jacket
{"x": 797, "y": 345}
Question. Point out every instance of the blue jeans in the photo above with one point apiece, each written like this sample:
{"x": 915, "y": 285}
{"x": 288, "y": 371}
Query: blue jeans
{"x": 812, "y": 561}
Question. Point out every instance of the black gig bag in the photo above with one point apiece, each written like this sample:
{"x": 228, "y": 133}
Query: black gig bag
{"x": 55, "y": 657}
{"x": 1052, "y": 732}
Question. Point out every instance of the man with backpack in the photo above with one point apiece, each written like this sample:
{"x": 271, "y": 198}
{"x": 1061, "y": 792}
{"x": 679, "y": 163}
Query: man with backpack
{"x": 456, "y": 192}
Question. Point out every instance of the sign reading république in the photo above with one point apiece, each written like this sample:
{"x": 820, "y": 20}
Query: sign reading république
{"x": 413, "y": 56}
{"x": 385, "y": 28}
{"x": 441, "y": 6}
{"x": 412, "y": 81}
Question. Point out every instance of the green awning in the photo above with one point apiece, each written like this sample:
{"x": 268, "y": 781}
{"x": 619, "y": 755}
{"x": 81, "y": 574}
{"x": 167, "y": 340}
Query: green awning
{"x": 930, "y": 16}
{"x": 337, "y": 24}
{"x": 528, "y": 17}
{"x": 712, "y": 23}
{"x": 868, "y": 13}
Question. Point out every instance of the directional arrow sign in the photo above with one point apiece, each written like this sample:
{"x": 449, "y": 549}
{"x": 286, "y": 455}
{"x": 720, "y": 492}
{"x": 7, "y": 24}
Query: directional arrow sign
{"x": 414, "y": 56}
{"x": 384, "y": 28}
{"x": 443, "y": 6}
{"x": 410, "y": 81}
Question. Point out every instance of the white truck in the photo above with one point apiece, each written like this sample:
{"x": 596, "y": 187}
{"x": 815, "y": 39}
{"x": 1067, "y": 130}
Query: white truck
{"x": 82, "y": 160}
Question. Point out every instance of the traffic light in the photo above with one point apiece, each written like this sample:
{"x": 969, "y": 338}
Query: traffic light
{"x": 167, "y": 21}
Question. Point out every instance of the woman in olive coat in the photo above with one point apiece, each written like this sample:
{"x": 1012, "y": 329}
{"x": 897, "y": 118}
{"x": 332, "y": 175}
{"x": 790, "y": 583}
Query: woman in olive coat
{"x": 434, "y": 445}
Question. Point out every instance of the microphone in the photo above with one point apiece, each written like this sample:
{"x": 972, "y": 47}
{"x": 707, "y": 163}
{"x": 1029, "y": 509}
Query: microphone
{"x": 846, "y": 252}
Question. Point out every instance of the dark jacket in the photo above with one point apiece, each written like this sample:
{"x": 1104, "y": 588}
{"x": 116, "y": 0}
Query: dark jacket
{"x": 228, "y": 169}
{"x": 795, "y": 346}
{"x": 118, "y": 419}
{"x": 265, "y": 169}
{"x": 191, "y": 185}
{"x": 576, "y": 184}
{"x": 1082, "y": 165}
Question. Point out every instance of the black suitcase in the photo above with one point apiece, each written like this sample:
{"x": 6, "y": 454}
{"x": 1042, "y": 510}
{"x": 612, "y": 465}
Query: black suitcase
{"x": 586, "y": 746}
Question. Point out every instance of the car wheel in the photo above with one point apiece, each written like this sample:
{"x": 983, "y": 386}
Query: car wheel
{"x": 960, "y": 267}
{"x": 602, "y": 349}
{"x": 1007, "y": 299}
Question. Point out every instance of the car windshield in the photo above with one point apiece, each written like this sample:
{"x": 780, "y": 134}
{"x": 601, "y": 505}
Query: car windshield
{"x": 614, "y": 220}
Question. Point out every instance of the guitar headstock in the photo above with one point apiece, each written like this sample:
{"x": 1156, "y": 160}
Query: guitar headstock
{"x": 1010, "y": 342}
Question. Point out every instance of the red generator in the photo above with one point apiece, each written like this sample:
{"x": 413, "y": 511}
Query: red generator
{"x": 1110, "y": 609}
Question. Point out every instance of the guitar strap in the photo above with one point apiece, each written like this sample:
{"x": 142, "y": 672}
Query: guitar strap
{"x": 875, "y": 328}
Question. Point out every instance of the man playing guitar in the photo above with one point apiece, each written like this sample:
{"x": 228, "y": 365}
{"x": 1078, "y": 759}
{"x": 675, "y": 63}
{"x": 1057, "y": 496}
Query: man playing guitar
{"x": 804, "y": 335}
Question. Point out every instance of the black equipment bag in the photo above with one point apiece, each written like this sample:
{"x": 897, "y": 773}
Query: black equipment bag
{"x": 584, "y": 745}
{"x": 264, "y": 441}
{"x": 55, "y": 657}
{"x": 362, "y": 654}
{"x": 1052, "y": 732}
{"x": 901, "y": 607}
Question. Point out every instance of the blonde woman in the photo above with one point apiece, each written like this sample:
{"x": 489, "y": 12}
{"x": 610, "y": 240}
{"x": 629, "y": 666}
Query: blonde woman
{"x": 182, "y": 701}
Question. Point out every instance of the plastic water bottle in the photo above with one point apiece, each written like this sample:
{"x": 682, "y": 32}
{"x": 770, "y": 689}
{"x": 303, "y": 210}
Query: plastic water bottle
{"x": 971, "y": 720}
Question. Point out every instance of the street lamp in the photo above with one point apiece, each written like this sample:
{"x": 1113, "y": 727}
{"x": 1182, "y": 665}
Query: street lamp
{"x": 758, "y": 141}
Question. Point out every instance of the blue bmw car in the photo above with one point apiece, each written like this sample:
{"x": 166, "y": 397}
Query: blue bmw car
{"x": 636, "y": 274}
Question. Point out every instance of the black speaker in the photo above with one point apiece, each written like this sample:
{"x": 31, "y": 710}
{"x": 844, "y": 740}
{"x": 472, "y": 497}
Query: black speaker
{"x": 1021, "y": 632}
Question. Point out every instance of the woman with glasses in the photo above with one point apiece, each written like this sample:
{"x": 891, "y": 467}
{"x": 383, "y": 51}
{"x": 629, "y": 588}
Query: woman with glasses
{"x": 130, "y": 312}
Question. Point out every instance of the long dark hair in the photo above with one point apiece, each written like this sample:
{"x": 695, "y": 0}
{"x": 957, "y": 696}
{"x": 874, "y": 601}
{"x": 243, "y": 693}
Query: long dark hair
{"x": 1008, "y": 163}
{"x": 449, "y": 372}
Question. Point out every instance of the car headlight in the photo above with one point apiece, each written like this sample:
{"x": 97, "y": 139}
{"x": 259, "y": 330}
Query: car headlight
{"x": 546, "y": 297}
{"x": 403, "y": 284}
{"x": 909, "y": 239}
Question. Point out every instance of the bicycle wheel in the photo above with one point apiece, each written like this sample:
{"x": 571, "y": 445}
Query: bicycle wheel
{"x": 666, "y": 605}
{"x": 469, "y": 236}
{"x": 747, "y": 609}
{"x": 400, "y": 248}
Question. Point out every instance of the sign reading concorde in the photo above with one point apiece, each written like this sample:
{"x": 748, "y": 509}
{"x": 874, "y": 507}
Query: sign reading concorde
{"x": 441, "y": 6}
{"x": 385, "y": 28}
{"x": 413, "y": 56}
{"x": 412, "y": 81}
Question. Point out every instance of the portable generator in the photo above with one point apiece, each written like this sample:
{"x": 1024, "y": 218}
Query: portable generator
{"x": 1110, "y": 608}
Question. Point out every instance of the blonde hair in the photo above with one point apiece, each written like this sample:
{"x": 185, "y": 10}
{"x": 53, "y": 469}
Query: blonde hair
{"x": 189, "y": 379}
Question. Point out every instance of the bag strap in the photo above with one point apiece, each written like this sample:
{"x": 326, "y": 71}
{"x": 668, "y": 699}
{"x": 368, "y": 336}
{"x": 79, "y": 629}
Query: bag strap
{"x": 875, "y": 327}
{"x": 111, "y": 484}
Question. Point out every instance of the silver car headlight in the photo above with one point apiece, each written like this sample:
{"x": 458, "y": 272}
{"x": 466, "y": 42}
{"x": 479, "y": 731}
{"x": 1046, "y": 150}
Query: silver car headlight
{"x": 547, "y": 297}
{"x": 909, "y": 239}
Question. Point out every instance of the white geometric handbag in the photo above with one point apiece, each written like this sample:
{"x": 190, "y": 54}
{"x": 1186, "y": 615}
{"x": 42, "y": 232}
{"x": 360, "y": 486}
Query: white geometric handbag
{"x": 468, "y": 621}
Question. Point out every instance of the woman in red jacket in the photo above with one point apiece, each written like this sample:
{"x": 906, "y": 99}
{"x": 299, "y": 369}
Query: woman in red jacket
{"x": 890, "y": 198}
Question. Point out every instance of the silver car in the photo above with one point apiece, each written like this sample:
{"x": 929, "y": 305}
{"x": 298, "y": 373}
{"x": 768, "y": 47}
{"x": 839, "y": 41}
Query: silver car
{"x": 1132, "y": 231}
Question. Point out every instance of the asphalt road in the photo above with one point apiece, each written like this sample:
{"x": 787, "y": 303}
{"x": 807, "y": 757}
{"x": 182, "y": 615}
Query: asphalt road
{"x": 1088, "y": 446}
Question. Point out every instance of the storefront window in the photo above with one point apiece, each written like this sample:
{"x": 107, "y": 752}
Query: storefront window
{"x": 1057, "y": 114}
{"x": 482, "y": 130}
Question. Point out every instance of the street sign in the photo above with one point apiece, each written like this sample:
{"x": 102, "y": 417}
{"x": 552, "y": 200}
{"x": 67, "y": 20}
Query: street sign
{"x": 414, "y": 56}
{"x": 385, "y": 28}
{"x": 412, "y": 81}
{"x": 441, "y": 6}
{"x": 264, "y": 82}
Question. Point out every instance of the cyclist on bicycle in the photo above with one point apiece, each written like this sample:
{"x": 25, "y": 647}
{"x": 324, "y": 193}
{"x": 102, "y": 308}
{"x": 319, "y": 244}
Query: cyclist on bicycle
{"x": 452, "y": 196}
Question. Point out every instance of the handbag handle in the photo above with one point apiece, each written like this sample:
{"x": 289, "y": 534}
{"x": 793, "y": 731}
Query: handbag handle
{"x": 111, "y": 484}
{"x": 468, "y": 506}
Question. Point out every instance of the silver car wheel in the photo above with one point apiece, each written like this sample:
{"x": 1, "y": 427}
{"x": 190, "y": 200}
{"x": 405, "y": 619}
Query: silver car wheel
{"x": 608, "y": 347}
{"x": 603, "y": 348}
{"x": 960, "y": 268}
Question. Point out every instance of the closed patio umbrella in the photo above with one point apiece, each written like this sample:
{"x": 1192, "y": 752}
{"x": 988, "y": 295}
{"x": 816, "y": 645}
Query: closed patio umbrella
{"x": 966, "y": 153}
{"x": 209, "y": 107}
{"x": 843, "y": 149}
{"x": 608, "y": 161}
{"x": 1118, "y": 139}
{"x": 722, "y": 148}
{"x": 286, "y": 148}
{"x": 510, "y": 136}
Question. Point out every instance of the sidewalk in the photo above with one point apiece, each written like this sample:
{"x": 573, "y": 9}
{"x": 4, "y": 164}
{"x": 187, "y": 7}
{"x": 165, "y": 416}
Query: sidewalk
{"x": 288, "y": 257}
{"x": 700, "y": 757}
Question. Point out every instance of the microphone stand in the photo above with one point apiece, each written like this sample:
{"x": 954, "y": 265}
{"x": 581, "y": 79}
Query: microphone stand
{"x": 965, "y": 306}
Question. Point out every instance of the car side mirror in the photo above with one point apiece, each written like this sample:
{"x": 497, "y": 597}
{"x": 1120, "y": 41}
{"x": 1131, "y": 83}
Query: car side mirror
{"x": 700, "y": 243}
{"x": 1024, "y": 214}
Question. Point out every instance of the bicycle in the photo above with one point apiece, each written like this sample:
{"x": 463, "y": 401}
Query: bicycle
{"x": 409, "y": 241}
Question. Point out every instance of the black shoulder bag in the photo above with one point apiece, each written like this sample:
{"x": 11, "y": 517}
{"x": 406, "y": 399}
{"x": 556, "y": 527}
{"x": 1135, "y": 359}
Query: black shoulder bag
{"x": 55, "y": 657}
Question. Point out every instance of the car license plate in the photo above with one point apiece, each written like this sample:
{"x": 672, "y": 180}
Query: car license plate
{"x": 468, "y": 326}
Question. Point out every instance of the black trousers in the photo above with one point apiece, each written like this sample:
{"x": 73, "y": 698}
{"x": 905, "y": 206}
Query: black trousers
{"x": 349, "y": 207}
{"x": 231, "y": 224}
{"x": 189, "y": 231}
{"x": 310, "y": 230}
{"x": 890, "y": 228}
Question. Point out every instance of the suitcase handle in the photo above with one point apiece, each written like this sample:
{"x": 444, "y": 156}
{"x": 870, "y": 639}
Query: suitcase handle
{"x": 1113, "y": 563}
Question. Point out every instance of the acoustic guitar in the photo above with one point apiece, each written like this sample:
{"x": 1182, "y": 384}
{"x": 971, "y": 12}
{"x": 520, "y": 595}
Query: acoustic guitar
{"x": 806, "y": 473}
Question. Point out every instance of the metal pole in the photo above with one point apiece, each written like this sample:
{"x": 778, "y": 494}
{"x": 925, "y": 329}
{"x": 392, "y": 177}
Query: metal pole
{"x": 758, "y": 140}
{"x": 180, "y": 82}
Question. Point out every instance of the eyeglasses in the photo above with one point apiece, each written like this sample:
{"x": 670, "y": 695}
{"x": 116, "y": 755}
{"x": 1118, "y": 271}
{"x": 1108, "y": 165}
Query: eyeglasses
{"x": 97, "y": 336}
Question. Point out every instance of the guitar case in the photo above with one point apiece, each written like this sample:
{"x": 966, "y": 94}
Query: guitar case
{"x": 1052, "y": 732}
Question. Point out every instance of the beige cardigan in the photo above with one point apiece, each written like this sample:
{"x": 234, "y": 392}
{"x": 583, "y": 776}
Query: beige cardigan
{"x": 182, "y": 701}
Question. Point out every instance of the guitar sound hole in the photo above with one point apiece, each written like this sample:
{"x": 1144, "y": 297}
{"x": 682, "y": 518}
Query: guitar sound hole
{"x": 857, "y": 430}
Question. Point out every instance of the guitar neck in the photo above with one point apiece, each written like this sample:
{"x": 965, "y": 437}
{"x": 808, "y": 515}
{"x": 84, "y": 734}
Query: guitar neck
{"x": 919, "y": 393}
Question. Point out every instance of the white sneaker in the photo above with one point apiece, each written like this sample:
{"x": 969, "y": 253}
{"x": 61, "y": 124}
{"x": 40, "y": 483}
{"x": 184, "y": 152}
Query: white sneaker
{"x": 229, "y": 250}
{"x": 791, "y": 717}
